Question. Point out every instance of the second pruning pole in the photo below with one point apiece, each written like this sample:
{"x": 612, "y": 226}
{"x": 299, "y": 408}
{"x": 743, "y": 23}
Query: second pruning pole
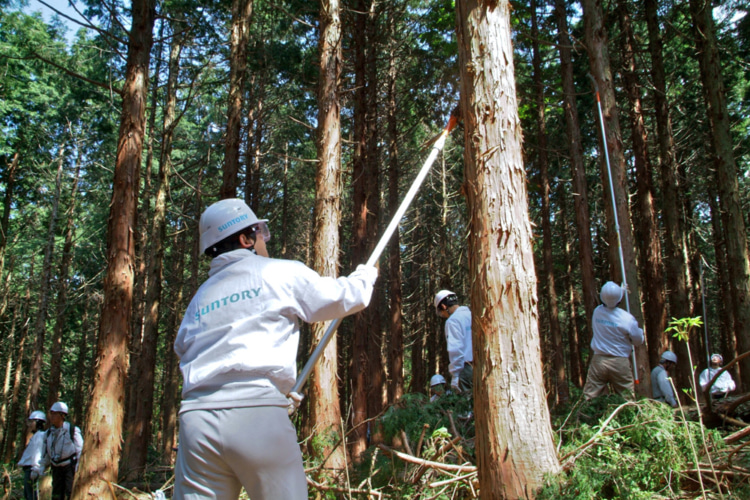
{"x": 436, "y": 148}
{"x": 617, "y": 220}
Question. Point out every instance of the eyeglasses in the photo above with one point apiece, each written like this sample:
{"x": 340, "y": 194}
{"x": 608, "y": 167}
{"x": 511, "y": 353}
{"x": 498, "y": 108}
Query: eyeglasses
{"x": 261, "y": 229}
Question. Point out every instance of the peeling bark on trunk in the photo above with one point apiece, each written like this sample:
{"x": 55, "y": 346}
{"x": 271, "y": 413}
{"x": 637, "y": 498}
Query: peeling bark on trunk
{"x": 325, "y": 415}
{"x": 103, "y": 433}
{"x": 514, "y": 442}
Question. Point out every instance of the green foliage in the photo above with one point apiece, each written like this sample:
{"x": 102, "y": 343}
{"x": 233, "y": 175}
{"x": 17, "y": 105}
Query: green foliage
{"x": 640, "y": 454}
{"x": 414, "y": 411}
{"x": 680, "y": 328}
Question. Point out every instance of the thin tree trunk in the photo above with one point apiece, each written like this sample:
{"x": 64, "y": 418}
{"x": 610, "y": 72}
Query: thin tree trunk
{"x": 654, "y": 294}
{"x": 396, "y": 327}
{"x": 325, "y": 414}
{"x": 240, "y": 32}
{"x": 56, "y": 353}
{"x": 578, "y": 169}
{"x": 10, "y": 436}
{"x": 103, "y": 435}
{"x": 562, "y": 394}
{"x": 738, "y": 265}
{"x": 596, "y": 42}
{"x": 40, "y": 323}
{"x": 83, "y": 363}
{"x": 10, "y": 181}
{"x": 11, "y": 360}
{"x": 514, "y": 442}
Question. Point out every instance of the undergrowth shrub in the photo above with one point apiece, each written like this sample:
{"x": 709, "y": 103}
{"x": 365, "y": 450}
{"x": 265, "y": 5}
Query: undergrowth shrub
{"x": 641, "y": 454}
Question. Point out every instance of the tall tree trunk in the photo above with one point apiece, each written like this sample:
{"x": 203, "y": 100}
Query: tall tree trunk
{"x": 240, "y": 32}
{"x": 596, "y": 42}
{"x": 15, "y": 402}
{"x": 13, "y": 358}
{"x": 675, "y": 241}
{"x": 56, "y": 353}
{"x": 40, "y": 323}
{"x": 577, "y": 366}
{"x": 83, "y": 363}
{"x": 726, "y": 177}
{"x": 325, "y": 414}
{"x": 654, "y": 294}
{"x": 10, "y": 181}
{"x": 358, "y": 359}
{"x": 170, "y": 395}
{"x": 562, "y": 394}
{"x": 138, "y": 429}
{"x": 396, "y": 327}
{"x": 514, "y": 442}
{"x": 578, "y": 169}
{"x": 103, "y": 435}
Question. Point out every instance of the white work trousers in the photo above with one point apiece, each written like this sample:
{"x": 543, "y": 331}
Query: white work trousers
{"x": 220, "y": 451}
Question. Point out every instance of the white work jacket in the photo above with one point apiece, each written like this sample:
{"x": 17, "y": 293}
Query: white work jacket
{"x": 723, "y": 385}
{"x": 458, "y": 340}
{"x": 614, "y": 332}
{"x": 238, "y": 341}
{"x": 32, "y": 455}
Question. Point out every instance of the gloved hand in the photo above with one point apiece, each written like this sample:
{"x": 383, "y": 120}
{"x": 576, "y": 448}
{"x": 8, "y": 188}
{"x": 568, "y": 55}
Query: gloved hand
{"x": 454, "y": 385}
{"x": 367, "y": 273}
{"x": 294, "y": 399}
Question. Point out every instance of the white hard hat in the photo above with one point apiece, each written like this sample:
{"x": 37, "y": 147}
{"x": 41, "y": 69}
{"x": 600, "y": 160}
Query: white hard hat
{"x": 437, "y": 379}
{"x": 38, "y": 415}
{"x": 611, "y": 294}
{"x": 224, "y": 218}
{"x": 718, "y": 358}
{"x": 669, "y": 356}
{"x": 59, "y": 407}
{"x": 442, "y": 294}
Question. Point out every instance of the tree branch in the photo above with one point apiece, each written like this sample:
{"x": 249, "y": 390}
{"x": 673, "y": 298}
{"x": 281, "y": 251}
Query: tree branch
{"x": 76, "y": 75}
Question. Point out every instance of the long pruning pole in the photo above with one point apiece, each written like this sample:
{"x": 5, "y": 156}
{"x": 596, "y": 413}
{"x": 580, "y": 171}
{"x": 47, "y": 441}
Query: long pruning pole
{"x": 437, "y": 146}
{"x": 617, "y": 219}
{"x": 705, "y": 324}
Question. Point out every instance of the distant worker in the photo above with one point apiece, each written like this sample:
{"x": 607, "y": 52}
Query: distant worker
{"x": 458, "y": 339}
{"x": 437, "y": 387}
{"x": 615, "y": 332}
{"x": 237, "y": 346}
{"x": 661, "y": 388}
{"x": 723, "y": 385}
{"x": 63, "y": 445}
{"x": 32, "y": 455}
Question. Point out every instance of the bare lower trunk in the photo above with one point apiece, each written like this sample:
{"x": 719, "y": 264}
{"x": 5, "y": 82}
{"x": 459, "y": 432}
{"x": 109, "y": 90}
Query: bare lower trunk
{"x": 514, "y": 442}
{"x": 103, "y": 434}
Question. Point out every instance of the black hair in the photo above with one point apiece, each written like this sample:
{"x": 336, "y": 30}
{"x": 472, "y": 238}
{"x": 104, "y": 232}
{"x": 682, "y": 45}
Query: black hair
{"x": 231, "y": 242}
{"x": 40, "y": 425}
{"x": 449, "y": 301}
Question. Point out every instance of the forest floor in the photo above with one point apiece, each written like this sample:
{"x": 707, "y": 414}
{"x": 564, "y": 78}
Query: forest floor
{"x": 609, "y": 448}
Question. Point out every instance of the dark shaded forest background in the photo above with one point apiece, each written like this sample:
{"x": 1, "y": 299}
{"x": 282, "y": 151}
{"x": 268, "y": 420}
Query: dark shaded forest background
{"x": 60, "y": 106}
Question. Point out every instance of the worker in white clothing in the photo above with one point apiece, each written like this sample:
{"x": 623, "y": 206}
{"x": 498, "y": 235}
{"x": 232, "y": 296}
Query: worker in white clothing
{"x": 723, "y": 385}
{"x": 237, "y": 346}
{"x": 458, "y": 338}
{"x": 32, "y": 454}
{"x": 615, "y": 332}
{"x": 661, "y": 387}
{"x": 63, "y": 445}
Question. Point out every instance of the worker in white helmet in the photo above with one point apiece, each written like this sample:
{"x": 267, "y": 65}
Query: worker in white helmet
{"x": 661, "y": 388}
{"x": 32, "y": 454}
{"x": 237, "y": 346}
{"x": 458, "y": 338}
{"x": 615, "y": 332}
{"x": 63, "y": 445}
{"x": 437, "y": 387}
{"x": 723, "y": 385}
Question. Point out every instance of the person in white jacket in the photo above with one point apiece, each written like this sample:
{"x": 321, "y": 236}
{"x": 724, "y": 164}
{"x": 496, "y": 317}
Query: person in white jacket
{"x": 32, "y": 454}
{"x": 237, "y": 346}
{"x": 615, "y": 332}
{"x": 458, "y": 339}
{"x": 723, "y": 385}
{"x": 63, "y": 444}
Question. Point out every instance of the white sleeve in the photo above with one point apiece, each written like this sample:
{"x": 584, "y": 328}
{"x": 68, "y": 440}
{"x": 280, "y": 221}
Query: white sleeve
{"x": 455, "y": 348}
{"x": 326, "y": 298}
{"x": 635, "y": 332}
{"x": 704, "y": 379}
{"x": 78, "y": 442}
